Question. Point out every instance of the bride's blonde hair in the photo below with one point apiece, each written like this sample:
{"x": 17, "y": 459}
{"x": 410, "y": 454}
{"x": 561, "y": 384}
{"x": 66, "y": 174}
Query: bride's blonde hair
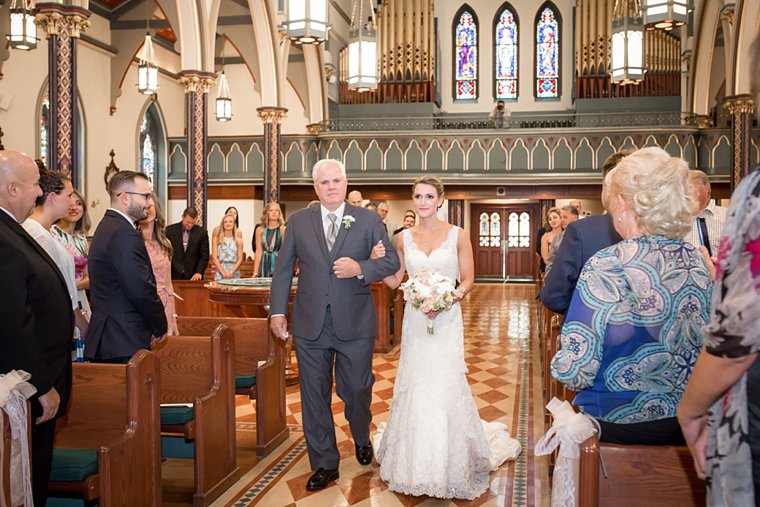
{"x": 429, "y": 180}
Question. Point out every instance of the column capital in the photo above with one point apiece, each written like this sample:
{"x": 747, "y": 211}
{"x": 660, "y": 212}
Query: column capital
{"x": 54, "y": 18}
{"x": 728, "y": 13}
{"x": 737, "y": 104}
{"x": 196, "y": 80}
{"x": 272, "y": 114}
{"x": 315, "y": 128}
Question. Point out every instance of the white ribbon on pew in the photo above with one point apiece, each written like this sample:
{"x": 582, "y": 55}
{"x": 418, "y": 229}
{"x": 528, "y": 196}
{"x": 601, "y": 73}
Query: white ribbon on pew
{"x": 14, "y": 391}
{"x": 569, "y": 430}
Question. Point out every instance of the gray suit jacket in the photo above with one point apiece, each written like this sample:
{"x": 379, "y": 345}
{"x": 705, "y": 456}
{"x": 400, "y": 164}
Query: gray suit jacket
{"x": 350, "y": 300}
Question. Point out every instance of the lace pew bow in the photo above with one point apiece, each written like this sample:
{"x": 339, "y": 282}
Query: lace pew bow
{"x": 569, "y": 430}
{"x": 14, "y": 391}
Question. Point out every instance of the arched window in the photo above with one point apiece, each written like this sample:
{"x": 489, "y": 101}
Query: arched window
{"x": 547, "y": 52}
{"x": 44, "y": 135}
{"x": 152, "y": 145}
{"x": 465, "y": 55}
{"x": 505, "y": 54}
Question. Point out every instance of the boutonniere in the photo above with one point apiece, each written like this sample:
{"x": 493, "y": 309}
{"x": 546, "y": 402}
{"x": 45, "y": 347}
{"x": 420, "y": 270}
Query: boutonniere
{"x": 348, "y": 221}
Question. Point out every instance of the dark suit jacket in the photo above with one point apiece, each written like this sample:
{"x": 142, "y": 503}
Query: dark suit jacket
{"x": 126, "y": 310}
{"x": 583, "y": 238}
{"x": 195, "y": 260}
{"x": 350, "y": 299}
{"x": 36, "y": 321}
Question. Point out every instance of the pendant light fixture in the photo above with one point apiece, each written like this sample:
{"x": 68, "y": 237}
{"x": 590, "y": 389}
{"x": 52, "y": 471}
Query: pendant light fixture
{"x": 306, "y": 21}
{"x": 147, "y": 70}
{"x": 23, "y": 34}
{"x": 362, "y": 48}
{"x": 223, "y": 98}
{"x": 627, "y": 65}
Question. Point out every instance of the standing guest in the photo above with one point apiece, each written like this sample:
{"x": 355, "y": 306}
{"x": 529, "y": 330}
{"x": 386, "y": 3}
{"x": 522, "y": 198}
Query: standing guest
{"x": 190, "y": 246}
{"x": 582, "y": 239}
{"x": 554, "y": 220}
{"x": 227, "y": 250}
{"x": 634, "y": 327}
{"x": 410, "y": 218}
{"x": 269, "y": 237}
{"x": 720, "y": 409}
{"x": 355, "y": 198}
{"x": 382, "y": 210}
{"x": 499, "y": 115}
{"x": 160, "y": 252}
{"x": 568, "y": 214}
{"x": 127, "y": 314}
{"x": 71, "y": 232}
{"x": 707, "y": 226}
{"x": 575, "y": 203}
{"x": 36, "y": 321}
{"x": 371, "y": 206}
{"x": 52, "y": 205}
{"x": 333, "y": 318}
{"x": 232, "y": 210}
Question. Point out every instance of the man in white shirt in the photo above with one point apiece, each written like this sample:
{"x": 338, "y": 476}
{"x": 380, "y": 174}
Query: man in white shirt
{"x": 707, "y": 225}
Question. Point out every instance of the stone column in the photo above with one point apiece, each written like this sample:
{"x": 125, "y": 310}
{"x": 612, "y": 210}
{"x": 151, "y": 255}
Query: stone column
{"x": 197, "y": 85}
{"x": 740, "y": 108}
{"x": 456, "y": 212}
{"x": 63, "y": 25}
{"x": 272, "y": 117}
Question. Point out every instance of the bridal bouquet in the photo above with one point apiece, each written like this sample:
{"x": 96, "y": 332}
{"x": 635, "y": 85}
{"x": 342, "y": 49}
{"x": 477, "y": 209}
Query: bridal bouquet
{"x": 430, "y": 291}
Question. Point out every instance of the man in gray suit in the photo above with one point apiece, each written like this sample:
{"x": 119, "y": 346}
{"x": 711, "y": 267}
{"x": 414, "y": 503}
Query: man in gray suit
{"x": 333, "y": 319}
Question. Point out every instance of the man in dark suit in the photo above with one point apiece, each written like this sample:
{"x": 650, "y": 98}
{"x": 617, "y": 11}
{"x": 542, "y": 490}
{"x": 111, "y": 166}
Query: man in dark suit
{"x": 190, "y": 244}
{"x": 582, "y": 239}
{"x": 36, "y": 320}
{"x": 333, "y": 319}
{"x": 127, "y": 314}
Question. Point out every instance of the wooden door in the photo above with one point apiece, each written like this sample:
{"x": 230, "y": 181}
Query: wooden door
{"x": 503, "y": 240}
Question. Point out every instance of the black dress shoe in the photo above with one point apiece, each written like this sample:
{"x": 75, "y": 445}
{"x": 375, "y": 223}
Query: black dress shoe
{"x": 320, "y": 478}
{"x": 364, "y": 454}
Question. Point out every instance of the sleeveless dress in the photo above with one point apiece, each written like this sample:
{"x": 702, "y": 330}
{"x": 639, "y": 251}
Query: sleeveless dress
{"x": 271, "y": 240}
{"x": 226, "y": 252}
{"x": 434, "y": 442}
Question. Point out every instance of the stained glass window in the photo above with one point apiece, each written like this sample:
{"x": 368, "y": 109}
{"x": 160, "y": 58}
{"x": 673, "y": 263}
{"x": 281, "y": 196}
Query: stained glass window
{"x": 505, "y": 37}
{"x": 466, "y": 56}
{"x": 518, "y": 233}
{"x": 44, "y": 129}
{"x": 547, "y": 54}
{"x": 148, "y": 148}
{"x": 490, "y": 230}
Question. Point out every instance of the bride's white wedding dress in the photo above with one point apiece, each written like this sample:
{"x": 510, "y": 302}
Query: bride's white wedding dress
{"x": 434, "y": 442}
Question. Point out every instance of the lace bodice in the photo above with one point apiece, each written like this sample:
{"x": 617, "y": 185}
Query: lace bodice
{"x": 444, "y": 258}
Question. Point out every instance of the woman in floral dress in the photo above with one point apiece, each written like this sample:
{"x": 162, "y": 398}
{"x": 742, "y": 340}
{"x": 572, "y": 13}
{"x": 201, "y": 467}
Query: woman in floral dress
{"x": 227, "y": 250}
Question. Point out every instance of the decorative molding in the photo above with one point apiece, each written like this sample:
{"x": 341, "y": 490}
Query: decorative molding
{"x": 272, "y": 114}
{"x": 196, "y": 81}
{"x": 55, "y": 18}
{"x": 739, "y": 104}
{"x": 315, "y": 128}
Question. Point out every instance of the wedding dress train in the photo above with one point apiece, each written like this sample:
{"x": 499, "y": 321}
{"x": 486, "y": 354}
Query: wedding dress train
{"x": 434, "y": 442}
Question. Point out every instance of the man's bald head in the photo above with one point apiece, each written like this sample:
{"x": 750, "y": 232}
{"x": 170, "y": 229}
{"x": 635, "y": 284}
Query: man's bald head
{"x": 355, "y": 198}
{"x": 19, "y": 183}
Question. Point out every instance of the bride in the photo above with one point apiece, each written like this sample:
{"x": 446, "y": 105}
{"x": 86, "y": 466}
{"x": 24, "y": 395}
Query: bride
{"x": 434, "y": 442}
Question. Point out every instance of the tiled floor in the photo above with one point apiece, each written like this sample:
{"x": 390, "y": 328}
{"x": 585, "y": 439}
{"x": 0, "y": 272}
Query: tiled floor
{"x": 501, "y": 352}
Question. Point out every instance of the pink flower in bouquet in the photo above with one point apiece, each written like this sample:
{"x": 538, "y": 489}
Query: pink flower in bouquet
{"x": 430, "y": 291}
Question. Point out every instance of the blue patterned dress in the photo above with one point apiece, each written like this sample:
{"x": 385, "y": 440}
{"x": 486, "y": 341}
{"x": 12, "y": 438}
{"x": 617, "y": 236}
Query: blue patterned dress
{"x": 634, "y": 329}
{"x": 227, "y": 253}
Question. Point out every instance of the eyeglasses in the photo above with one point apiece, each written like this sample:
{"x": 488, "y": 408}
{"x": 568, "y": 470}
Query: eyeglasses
{"x": 147, "y": 195}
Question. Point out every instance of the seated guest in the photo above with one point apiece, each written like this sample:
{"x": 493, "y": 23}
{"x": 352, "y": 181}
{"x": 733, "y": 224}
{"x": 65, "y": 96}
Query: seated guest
{"x": 634, "y": 327}
{"x": 51, "y": 206}
{"x": 190, "y": 246}
{"x": 71, "y": 232}
{"x": 581, "y": 240}
{"x": 410, "y": 218}
{"x": 269, "y": 239}
{"x": 554, "y": 221}
{"x": 232, "y": 210}
{"x": 227, "y": 250}
{"x": 160, "y": 252}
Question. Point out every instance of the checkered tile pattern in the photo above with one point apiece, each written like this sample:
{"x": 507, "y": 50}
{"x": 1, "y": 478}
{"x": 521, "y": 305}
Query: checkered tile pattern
{"x": 504, "y": 375}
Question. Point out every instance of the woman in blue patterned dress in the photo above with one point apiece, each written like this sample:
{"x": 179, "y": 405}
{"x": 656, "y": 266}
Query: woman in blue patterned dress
{"x": 227, "y": 250}
{"x": 633, "y": 330}
{"x": 269, "y": 239}
{"x": 720, "y": 410}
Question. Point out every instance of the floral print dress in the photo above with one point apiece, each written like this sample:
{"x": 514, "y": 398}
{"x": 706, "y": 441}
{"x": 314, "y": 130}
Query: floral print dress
{"x": 734, "y": 331}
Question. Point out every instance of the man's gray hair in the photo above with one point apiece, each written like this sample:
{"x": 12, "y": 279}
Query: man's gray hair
{"x": 696, "y": 174}
{"x": 321, "y": 164}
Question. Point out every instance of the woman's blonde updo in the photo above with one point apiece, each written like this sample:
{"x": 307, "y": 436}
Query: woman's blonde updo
{"x": 657, "y": 187}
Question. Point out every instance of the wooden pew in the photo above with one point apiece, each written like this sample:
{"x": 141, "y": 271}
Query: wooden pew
{"x": 199, "y": 371}
{"x": 637, "y": 475}
{"x": 113, "y": 412}
{"x": 253, "y": 343}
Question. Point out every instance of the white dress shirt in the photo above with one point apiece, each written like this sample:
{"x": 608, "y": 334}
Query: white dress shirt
{"x": 715, "y": 217}
{"x": 326, "y": 221}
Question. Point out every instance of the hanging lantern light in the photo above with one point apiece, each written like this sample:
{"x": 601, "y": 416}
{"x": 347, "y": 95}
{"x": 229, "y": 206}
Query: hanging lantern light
{"x": 306, "y": 21}
{"x": 666, "y": 14}
{"x": 23, "y": 30}
{"x": 223, "y": 100}
{"x": 147, "y": 70}
{"x": 627, "y": 65}
{"x": 362, "y": 50}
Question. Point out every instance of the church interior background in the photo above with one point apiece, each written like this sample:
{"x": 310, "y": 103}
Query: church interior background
{"x": 440, "y": 67}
